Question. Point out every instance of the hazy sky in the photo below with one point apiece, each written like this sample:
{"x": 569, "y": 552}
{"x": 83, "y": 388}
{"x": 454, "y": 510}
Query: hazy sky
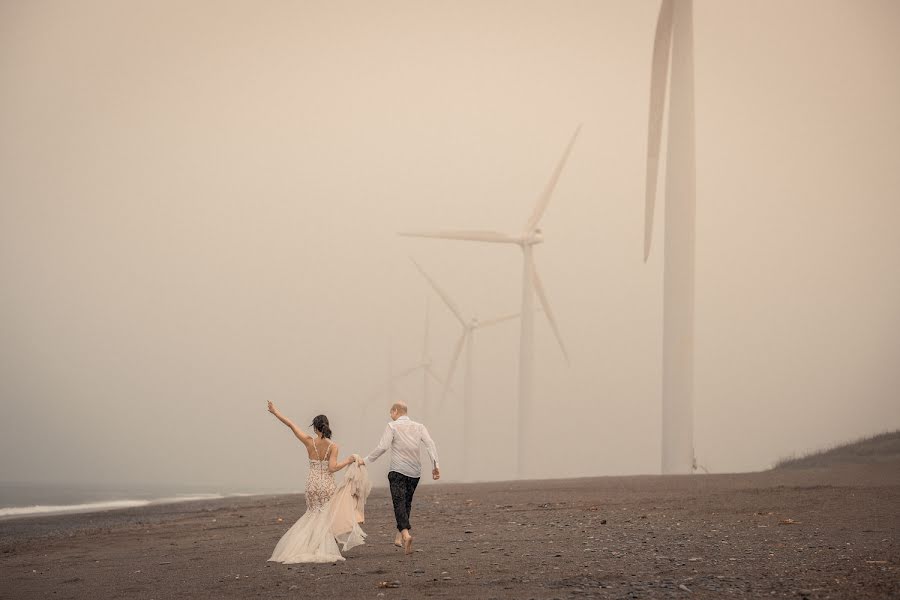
{"x": 198, "y": 207}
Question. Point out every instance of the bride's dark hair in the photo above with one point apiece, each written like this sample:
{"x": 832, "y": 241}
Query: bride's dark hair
{"x": 320, "y": 423}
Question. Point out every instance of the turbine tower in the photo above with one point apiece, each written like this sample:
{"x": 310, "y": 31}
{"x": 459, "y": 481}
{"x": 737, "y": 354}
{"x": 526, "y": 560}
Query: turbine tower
{"x": 531, "y": 283}
{"x": 467, "y": 340}
{"x": 388, "y": 390}
{"x": 674, "y": 33}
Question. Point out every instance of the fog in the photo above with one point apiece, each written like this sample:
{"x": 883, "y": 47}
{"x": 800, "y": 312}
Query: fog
{"x": 199, "y": 205}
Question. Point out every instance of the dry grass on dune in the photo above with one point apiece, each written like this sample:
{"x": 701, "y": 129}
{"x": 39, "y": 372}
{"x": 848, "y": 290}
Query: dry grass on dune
{"x": 881, "y": 448}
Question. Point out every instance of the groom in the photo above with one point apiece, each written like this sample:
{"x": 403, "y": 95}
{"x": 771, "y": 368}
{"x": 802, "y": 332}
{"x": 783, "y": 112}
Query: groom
{"x": 403, "y": 436}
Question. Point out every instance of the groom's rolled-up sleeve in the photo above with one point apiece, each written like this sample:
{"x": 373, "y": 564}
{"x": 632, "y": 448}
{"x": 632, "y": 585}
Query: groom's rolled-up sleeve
{"x": 383, "y": 445}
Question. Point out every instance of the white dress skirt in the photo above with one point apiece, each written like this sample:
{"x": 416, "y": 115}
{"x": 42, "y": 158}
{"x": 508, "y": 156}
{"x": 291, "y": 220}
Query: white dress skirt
{"x": 332, "y": 518}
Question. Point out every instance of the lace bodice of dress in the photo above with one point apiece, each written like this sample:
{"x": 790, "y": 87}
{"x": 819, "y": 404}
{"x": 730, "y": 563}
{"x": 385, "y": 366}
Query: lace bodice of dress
{"x": 320, "y": 484}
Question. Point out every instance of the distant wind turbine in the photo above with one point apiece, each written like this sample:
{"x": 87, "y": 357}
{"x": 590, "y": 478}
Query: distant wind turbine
{"x": 465, "y": 340}
{"x": 674, "y": 32}
{"x": 388, "y": 390}
{"x": 531, "y": 283}
{"x": 424, "y": 366}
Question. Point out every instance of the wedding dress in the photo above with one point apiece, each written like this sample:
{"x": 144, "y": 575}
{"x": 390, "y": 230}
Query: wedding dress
{"x": 333, "y": 514}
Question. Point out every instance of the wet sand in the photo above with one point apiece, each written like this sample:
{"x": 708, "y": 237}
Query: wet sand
{"x": 820, "y": 533}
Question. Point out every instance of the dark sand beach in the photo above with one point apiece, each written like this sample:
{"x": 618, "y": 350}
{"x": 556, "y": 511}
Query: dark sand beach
{"x": 788, "y": 533}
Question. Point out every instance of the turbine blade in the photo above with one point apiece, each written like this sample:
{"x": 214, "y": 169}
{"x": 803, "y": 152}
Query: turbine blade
{"x": 390, "y": 380}
{"x": 498, "y": 320}
{"x": 539, "y": 288}
{"x": 406, "y": 372}
{"x": 662, "y": 44}
{"x": 472, "y": 236}
{"x": 456, "y": 353}
{"x": 425, "y": 340}
{"x": 544, "y": 199}
{"x": 437, "y": 378}
{"x": 440, "y": 292}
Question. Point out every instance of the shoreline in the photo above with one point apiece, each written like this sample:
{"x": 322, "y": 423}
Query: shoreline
{"x": 832, "y": 472}
{"x": 24, "y": 512}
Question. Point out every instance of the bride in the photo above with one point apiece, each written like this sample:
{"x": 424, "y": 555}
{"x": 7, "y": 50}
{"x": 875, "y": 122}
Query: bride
{"x": 333, "y": 512}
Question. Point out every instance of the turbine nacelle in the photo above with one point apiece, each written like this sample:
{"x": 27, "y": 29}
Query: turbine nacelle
{"x": 531, "y": 238}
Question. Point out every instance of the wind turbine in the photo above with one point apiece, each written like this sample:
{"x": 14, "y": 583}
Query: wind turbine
{"x": 467, "y": 341}
{"x": 674, "y": 32}
{"x": 388, "y": 389}
{"x": 531, "y": 283}
{"x": 424, "y": 366}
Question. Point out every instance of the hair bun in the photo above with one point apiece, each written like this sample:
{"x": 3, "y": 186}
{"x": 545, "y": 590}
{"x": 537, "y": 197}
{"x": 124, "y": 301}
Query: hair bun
{"x": 320, "y": 424}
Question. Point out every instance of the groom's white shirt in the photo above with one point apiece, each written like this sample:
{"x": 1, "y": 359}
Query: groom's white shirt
{"x": 403, "y": 437}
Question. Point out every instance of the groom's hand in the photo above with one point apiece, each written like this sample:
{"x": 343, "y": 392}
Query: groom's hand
{"x": 435, "y": 473}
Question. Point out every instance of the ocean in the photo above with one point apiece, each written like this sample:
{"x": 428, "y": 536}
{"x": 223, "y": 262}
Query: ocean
{"x": 18, "y": 499}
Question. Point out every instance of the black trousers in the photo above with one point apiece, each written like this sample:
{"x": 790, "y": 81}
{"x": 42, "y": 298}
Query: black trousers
{"x": 402, "y": 490}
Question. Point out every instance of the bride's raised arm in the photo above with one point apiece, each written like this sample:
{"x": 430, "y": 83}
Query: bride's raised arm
{"x": 301, "y": 435}
{"x": 333, "y": 465}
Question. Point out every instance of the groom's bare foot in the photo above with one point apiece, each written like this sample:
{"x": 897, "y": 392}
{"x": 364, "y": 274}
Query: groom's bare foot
{"x": 398, "y": 541}
{"x": 407, "y": 544}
